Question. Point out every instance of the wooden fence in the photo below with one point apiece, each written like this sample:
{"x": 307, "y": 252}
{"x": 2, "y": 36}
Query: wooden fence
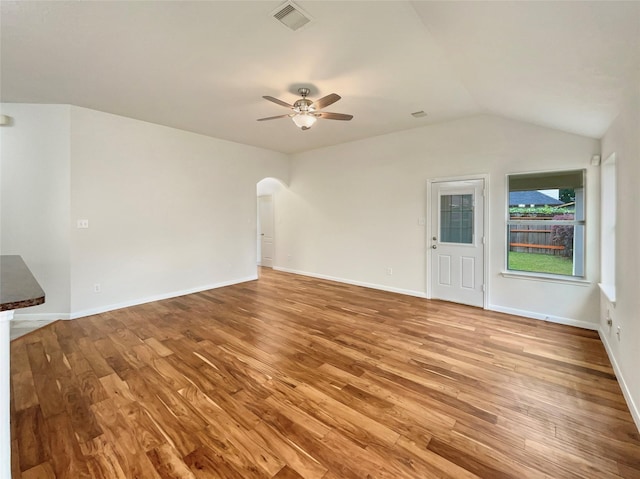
{"x": 533, "y": 239}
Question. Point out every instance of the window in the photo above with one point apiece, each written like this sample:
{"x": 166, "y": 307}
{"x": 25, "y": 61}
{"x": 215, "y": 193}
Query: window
{"x": 456, "y": 218}
{"x": 546, "y": 223}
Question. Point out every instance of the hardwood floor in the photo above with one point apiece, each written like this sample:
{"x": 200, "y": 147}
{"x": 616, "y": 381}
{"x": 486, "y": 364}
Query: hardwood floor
{"x": 291, "y": 377}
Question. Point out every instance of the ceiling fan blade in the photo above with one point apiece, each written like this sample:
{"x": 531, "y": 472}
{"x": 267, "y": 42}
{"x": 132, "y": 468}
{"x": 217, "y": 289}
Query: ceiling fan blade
{"x": 333, "y": 116}
{"x": 325, "y": 101}
{"x": 273, "y": 117}
{"x": 279, "y": 102}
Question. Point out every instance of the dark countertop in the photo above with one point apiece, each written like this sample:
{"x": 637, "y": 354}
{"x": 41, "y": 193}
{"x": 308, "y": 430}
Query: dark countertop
{"x": 18, "y": 287}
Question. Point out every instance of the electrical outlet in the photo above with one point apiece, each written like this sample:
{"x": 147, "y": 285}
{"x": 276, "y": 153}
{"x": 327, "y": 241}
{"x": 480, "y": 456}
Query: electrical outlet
{"x": 83, "y": 224}
{"x": 389, "y": 271}
{"x": 97, "y": 288}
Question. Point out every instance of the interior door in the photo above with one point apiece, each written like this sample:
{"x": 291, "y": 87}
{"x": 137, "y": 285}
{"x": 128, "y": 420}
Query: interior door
{"x": 457, "y": 241}
{"x": 265, "y": 216}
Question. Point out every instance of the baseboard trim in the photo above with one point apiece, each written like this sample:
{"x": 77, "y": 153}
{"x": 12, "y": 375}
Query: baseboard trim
{"x": 544, "y": 317}
{"x": 380, "y": 287}
{"x": 419, "y": 294}
{"x": 635, "y": 410}
{"x": 127, "y": 304}
{"x": 159, "y": 297}
{"x": 43, "y": 317}
{"x": 21, "y": 323}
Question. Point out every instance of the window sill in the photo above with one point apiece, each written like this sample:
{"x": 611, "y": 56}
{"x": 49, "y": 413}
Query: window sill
{"x": 609, "y": 290}
{"x": 546, "y": 278}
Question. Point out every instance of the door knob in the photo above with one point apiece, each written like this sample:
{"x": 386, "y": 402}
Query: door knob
{"x": 435, "y": 246}
{"x": 434, "y": 238}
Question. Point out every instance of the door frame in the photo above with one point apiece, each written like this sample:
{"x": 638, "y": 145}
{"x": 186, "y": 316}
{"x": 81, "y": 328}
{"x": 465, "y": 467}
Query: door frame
{"x": 429, "y": 231}
{"x": 273, "y": 227}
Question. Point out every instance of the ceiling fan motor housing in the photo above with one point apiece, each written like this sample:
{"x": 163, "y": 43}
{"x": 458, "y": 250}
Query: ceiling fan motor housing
{"x": 303, "y": 105}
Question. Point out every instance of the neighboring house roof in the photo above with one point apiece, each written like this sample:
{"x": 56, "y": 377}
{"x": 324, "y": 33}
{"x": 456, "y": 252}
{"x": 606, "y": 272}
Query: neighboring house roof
{"x": 532, "y": 198}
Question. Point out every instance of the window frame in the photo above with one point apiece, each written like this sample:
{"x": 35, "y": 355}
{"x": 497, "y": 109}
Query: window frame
{"x": 578, "y": 224}
{"x": 608, "y": 224}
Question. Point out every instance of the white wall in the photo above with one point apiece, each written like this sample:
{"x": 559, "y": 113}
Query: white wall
{"x": 353, "y": 210}
{"x": 169, "y": 211}
{"x": 35, "y": 204}
{"x": 622, "y": 139}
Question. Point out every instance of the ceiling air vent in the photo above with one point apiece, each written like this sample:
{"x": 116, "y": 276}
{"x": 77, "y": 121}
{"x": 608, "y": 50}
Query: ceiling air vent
{"x": 291, "y": 16}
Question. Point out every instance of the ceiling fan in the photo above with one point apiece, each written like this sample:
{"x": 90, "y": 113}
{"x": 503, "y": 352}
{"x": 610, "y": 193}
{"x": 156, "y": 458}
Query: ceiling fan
{"x": 306, "y": 112}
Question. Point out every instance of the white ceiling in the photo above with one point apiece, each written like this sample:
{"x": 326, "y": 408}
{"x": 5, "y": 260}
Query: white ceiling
{"x": 204, "y": 66}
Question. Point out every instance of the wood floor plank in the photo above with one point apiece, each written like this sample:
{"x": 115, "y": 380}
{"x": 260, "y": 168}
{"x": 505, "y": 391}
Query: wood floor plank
{"x": 293, "y": 377}
{"x": 102, "y": 459}
{"x": 15, "y": 459}
{"x": 288, "y": 473}
{"x": 158, "y": 347}
{"x": 41, "y": 471}
{"x": 168, "y": 463}
{"x": 124, "y": 440}
{"x": 207, "y": 464}
{"x": 238, "y": 459}
{"x": 467, "y": 461}
{"x": 163, "y": 417}
{"x": 441, "y": 466}
{"x": 295, "y": 458}
{"x": 96, "y": 360}
{"x": 30, "y": 429}
{"x": 24, "y": 390}
{"x": 66, "y": 457}
{"x": 77, "y": 405}
{"x": 147, "y": 433}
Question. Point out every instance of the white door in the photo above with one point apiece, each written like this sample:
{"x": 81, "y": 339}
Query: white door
{"x": 265, "y": 230}
{"x": 457, "y": 241}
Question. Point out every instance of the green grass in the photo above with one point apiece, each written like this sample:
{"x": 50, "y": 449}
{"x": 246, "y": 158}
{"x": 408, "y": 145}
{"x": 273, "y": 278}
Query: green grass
{"x": 540, "y": 263}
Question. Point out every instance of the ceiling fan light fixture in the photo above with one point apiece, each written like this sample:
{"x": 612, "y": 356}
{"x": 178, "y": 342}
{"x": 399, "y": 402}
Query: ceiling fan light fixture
{"x": 306, "y": 112}
{"x": 304, "y": 120}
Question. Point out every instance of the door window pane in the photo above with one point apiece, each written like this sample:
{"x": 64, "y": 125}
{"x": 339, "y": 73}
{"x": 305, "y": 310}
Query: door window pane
{"x": 456, "y": 218}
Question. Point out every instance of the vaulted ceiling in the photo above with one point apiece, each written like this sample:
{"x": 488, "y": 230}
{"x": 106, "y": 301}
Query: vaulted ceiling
{"x": 204, "y": 66}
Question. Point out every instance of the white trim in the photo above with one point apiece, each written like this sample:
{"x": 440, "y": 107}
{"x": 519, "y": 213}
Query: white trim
{"x": 159, "y": 297}
{"x": 544, "y": 317}
{"x": 610, "y": 158}
{"x": 20, "y": 327}
{"x": 635, "y": 411}
{"x": 390, "y": 289}
{"x": 545, "y": 277}
{"x": 606, "y": 269}
{"x": 19, "y": 323}
{"x": 609, "y": 291}
{"x": 5, "y": 392}
{"x": 273, "y": 228}
{"x": 35, "y": 317}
